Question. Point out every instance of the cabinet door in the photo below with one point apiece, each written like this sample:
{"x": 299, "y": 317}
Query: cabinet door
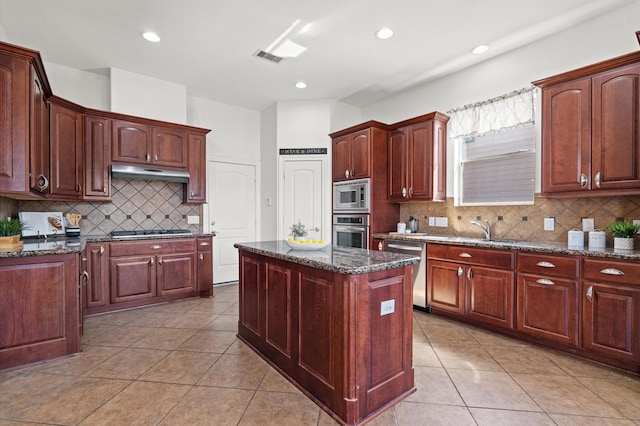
{"x": 66, "y": 153}
{"x": 169, "y": 148}
{"x": 445, "y": 286}
{"x": 97, "y": 158}
{"x": 132, "y": 278}
{"x": 616, "y": 129}
{"x": 398, "y": 144}
{"x": 360, "y": 155}
{"x": 130, "y": 143}
{"x": 195, "y": 191}
{"x": 176, "y": 273}
{"x": 97, "y": 292}
{"x": 548, "y": 307}
{"x": 566, "y": 137}
{"x": 14, "y": 127}
{"x": 378, "y": 244}
{"x": 490, "y": 296}
{"x": 612, "y": 320}
{"x": 205, "y": 267}
{"x": 39, "y": 140}
{"x": 420, "y": 161}
{"x": 341, "y": 158}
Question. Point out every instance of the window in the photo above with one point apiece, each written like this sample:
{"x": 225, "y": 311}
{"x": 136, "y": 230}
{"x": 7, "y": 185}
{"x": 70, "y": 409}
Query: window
{"x": 494, "y": 149}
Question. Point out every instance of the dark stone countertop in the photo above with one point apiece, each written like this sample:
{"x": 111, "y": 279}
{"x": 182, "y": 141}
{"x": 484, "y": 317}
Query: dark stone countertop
{"x": 65, "y": 245}
{"x": 526, "y": 246}
{"x": 344, "y": 260}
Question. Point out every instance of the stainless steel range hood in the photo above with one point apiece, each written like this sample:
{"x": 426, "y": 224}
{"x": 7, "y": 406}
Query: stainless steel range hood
{"x": 149, "y": 173}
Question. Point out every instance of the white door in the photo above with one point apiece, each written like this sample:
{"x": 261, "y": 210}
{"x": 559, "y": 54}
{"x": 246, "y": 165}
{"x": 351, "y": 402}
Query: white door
{"x": 232, "y": 214}
{"x": 303, "y": 197}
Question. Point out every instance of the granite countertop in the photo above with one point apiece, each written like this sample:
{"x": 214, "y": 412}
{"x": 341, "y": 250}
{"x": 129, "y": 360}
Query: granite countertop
{"x": 65, "y": 245}
{"x": 527, "y": 246}
{"x": 344, "y": 260}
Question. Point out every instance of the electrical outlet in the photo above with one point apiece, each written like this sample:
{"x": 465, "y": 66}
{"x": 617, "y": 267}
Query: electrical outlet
{"x": 636, "y": 221}
{"x": 587, "y": 224}
{"x": 442, "y": 221}
{"x": 549, "y": 224}
{"x": 432, "y": 221}
{"x": 193, "y": 220}
{"x": 387, "y": 307}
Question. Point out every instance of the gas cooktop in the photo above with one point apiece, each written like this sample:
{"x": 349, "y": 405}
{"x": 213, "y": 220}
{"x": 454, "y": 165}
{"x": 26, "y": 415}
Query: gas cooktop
{"x": 140, "y": 233}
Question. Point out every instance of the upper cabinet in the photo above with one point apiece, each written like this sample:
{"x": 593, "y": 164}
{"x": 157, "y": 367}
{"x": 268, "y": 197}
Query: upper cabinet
{"x": 591, "y": 130}
{"x": 352, "y": 155}
{"x": 66, "y": 156}
{"x": 417, "y": 159}
{"x": 138, "y": 143}
{"x": 195, "y": 191}
{"x": 97, "y": 158}
{"x": 24, "y": 129}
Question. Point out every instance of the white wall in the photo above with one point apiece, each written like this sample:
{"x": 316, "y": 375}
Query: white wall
{"x": 268, "y": 175}
{"x": 89, "y": 89}
{"x": 143, "y": 96}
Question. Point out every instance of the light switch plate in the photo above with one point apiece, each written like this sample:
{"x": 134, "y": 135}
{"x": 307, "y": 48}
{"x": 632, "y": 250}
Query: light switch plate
{"x": 549, "y": 224}
{"x": 442, "y": 221}
{"x": 432, "y": 221}
{"x": 587, "y": 224}
{"x": 193, "y": 220}
{"x": 387, "y": 307}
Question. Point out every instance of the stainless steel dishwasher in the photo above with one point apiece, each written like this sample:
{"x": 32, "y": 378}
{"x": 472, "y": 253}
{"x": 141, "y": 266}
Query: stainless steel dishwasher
{"x": 415, "y": 248}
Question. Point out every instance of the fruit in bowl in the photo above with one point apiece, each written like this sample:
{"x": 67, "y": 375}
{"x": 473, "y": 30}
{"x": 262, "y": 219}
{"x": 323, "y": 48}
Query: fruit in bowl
{"x": 306, "y": 244}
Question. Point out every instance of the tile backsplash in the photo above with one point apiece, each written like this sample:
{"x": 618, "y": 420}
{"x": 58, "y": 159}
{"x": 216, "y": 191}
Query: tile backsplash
{"x": 135, "y": 204}
{"x": 525, "y": 222}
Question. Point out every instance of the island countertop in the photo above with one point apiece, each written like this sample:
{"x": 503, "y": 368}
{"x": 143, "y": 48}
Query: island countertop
{"x": 344, "y": 260}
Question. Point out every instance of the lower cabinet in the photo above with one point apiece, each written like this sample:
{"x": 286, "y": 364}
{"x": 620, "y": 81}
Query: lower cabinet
{"x": 39, "y": 304}
{"x": 205, "y": 267}
{"x": 472, "y": 282}
{"x": 96, "y": 259}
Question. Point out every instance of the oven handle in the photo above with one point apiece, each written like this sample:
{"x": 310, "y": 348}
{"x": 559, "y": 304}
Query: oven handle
{"x": 402, "y": 247}
{"x": 350, "y": 228}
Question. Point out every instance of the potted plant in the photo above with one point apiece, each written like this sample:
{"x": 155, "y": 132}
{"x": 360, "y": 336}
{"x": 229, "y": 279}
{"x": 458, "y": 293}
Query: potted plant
{"x": 298, "y": 230}
{"x": 623, "y": 233}
{"x": 10, "y": 230}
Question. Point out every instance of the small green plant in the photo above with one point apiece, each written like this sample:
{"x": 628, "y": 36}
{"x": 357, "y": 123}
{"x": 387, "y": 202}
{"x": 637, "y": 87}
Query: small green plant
{"x": 298, "y": 230}
{"x": 623, "y": 229}
{"x": 9, "y": 227}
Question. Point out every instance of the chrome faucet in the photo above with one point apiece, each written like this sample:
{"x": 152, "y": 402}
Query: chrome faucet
{"x": 487, "y": 229}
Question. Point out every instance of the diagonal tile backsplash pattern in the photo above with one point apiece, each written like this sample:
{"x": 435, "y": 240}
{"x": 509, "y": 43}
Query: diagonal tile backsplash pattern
{"x": 135, "y": 204}
{"x": 526, "y": 222}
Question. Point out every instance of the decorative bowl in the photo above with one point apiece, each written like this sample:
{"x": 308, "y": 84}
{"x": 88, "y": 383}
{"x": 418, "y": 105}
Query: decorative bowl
{"x": 306, "y": 246}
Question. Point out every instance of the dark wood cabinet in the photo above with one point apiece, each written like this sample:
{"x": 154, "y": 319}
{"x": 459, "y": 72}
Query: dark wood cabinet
{"x": 205, "y": 266}
{"x": 195, "y": 191}
{"x": 611, "y": 309}
{"x": 40, "y": 308}
{"x": 378, "y": 244}
{"x": 176, "y": 273}
{"x": 66, "y": 152}
{"x": 138, "y": 143}
{"x": 591, "y": 130}
{"x": 417, "y": 159}
{"x": 169, "y": 147}
{"x": 548, "y": 297}
{"x": 96, "y": 257}
{"x": 475, "y": 283}
{"x": 97, "y": 158}
{"x": 132, "y": 278}
{"x": 39, "y": 130}
{"x": 352, "y": 155}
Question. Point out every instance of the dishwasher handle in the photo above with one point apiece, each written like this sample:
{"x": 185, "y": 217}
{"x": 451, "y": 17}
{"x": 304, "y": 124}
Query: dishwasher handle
{"x": 403, "y": 247}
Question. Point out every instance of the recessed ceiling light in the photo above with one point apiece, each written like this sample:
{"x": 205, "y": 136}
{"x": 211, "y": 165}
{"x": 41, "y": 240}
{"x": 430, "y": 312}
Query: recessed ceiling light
{"x": 480, "y": 49}
{"x": 151, "y": 36}
{"x": 384, "y": 33}
{"x": 301, "y": 85}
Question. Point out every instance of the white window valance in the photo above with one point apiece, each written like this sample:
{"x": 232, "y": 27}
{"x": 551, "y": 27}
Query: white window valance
{"x": 504, "y": 112}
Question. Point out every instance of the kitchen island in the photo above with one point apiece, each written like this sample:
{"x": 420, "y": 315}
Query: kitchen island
{"x": 336, "y": 322}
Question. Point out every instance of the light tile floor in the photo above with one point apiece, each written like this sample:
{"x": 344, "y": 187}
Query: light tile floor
{"x": 180, "y": 364}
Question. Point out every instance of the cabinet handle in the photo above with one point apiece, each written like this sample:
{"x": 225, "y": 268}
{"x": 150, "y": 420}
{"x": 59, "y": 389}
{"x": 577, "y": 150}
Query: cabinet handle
{"x": 583, "y": 180}
{"x": 78, "y": 187}
{"x": 191, "y": 194}
{"x": 159, "y": 261}
{"x": 346, "y": 174}
{"x": 464, "y": 254}
{"x": 612, "y": 271}
{"x": 101, "y": 250}
{"x": 156, "y": 247}
{"x": 353, "y": 173}
{"x": 148, "y": 157}
{"x": 151, "y": 261}
{"x": 404, "y": 192}
{"x": 380, "y": 245}
{"x": 596, "y": 179}
{"x": 460, "y": 271}
{"x": 204, "y": 244}
{"x": 104, "y": 190}
{"x": 469, "y": 274}
{"x": 85, "y": 276}
{"x": 155, "y": 158}
{"x": 590, "y": 293}
{"x": 545, "y": 281}
{"x": 410, "y": 191}
{"x": 545, "y": 264}
{"x": 201, "y": 257}
{"x": 43, "y": 182}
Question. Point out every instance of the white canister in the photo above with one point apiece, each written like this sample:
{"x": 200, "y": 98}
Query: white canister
{"x": 402, "y": 227}
{"x": 597, "y": 240}
{"x": 576, "y": 239}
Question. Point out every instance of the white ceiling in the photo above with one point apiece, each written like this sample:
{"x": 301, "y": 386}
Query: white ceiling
{"x": 207, "y": 45}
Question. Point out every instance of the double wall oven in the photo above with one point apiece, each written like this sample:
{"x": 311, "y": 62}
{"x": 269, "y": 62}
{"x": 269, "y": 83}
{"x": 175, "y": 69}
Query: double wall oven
{"x": 351, "y": 208}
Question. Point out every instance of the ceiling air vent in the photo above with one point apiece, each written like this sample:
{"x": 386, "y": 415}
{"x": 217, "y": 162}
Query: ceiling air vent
{"x": 267, "y": 56}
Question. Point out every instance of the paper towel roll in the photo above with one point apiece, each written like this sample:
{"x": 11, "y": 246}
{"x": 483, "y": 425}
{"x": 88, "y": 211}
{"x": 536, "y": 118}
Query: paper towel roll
{"x": 597, "y": 240}
{"x": 576, "y": 239}
{"x": 401, "y": 227}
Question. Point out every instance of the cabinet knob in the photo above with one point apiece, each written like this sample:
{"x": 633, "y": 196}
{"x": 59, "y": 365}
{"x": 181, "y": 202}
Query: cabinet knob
{"x": 380, "y": 245}
{"x": 583, "y": 180}
{"x": 151, "y": 261}
{"x": 346, "y": 174}
{"x": 159, "y": 261}
{"x": 101, "y": 250}
{"x": 201, "y": 256}
{"x": 43, "y": 182}
{"x": 596, "y": 179}
{"x": 104, "y": 190}
{"x": 156, "y": 247}
{"x": 404, "y": 192}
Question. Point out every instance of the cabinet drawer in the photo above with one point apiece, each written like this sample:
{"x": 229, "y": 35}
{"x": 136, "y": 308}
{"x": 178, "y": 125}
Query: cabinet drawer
{"x": 152, "y": 247}
{"x": 612, "y": 271}
{"x": 204, "y": 244}
{"x": 473, "y": 256}
{"x": 545, "y": 264}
